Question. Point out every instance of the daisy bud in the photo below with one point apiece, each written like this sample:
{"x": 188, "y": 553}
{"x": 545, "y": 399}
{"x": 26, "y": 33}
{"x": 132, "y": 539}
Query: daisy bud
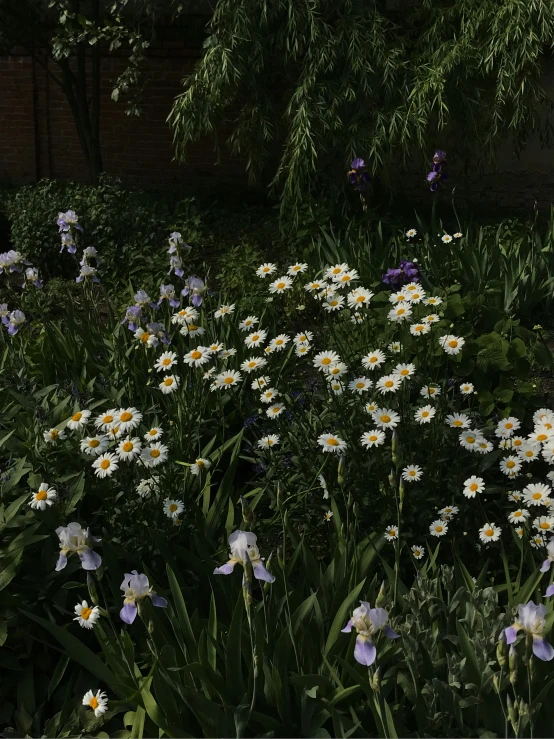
{"x": 512, "y": 714}
{"x": 392, "y": 478}
{"x": 376, "y": 680}
{"x": 401, "y": 491}
{"x": 496, "y": 682}
{"x": 394, "y": 448}
{"x": 247, "y": 583}
{"x": 92, "y": 589}
{"x": 381, "y": 596}
{"x": 532, "y": 669}
{"x": 513, "y": 665}
{"x": 523, "y": 707}
{"x": 501, "y": 652}
{"x": 340, "y": 478}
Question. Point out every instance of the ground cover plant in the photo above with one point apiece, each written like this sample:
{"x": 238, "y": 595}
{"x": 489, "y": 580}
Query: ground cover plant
{"x": 319, "y": 506}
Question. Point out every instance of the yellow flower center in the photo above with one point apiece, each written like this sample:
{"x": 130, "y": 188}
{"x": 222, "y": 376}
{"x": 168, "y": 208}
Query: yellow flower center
{"x": 332, "y": 442}
{"x": 412, "y": 473}
{"x": 200, "y": 464}
{"x": 425, "y": 414}
{"x": 404, "y": 372}
{"x": 516, "y": 442}
{"x": 401, "y": 311}
{"x": 474, "y": 486}
{"x": 192, "y": 328}
{"x": 332, "y": 303}
{"x": 77, "y": 416}
{"x": 54, "y": 435}
{"x": 544, "y": 525}
{"x": 255, "y": 337}
{"x": 453, "y": 344}
{"x": 93, "y": 443}
{"x": 372, "y": 360}
{"x": 168, "y": 382}
{"x": 537, "y": 496}
{"x": 457, "y": 422}
{"x": 144, "y": 337}
{"x": 128, "y": 446}
{"x": 508, "y": 426}
{"x": 85, "y": 614}
{"x": 510, "y": 464}
{"x": 360, "y": 299}
{"x": 280, "y": 285}
{"x": 373, "y": 437}
{"x": 154, "y": 453}
{"x": 228, "y": 380}
{"x": 173, "y": 507}
{"x": 278, "y": 342}
{"x": 265, "y": 269}
{"x": 471, "y": 440}
{"x": 360, "y": 385}
{"x": 385, "y": 419}
{"x": 93, "y": 702}
{"x": 431, "y": 391}
{"x": 389, "y": 383}
{"x": 105, "y": 463}
{"x": 153, "y": 432}
{"x": 326, "y": 360}
{"x": 41, "y": 495}
{"x": 196, "y": 354}
{"x": 489, "y": 532}
{"x": 542, "y": 437}
{"x": 529, "y": 453}
{"x": 125, "y": 416}
{"x": 166, "y": 361}
{"x": 438, "y": 529}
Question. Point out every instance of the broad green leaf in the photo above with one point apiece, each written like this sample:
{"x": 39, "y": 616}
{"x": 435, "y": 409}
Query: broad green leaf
{"x": 342, "y": 616}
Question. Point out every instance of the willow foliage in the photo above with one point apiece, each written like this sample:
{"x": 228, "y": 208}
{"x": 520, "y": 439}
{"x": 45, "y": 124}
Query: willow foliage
{"x": 305, "y": 85}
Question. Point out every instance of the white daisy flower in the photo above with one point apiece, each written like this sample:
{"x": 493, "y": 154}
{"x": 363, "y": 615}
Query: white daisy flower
{"x": 279, "y": 286}
{"x": 216, "y": 347}
{"x": 105, "y": 465}
{"x": 279, "y": 342}
{"x": 145, "y": 337}
{"x": 431, "y": 318}
{"x": 153, "y": 434}
{"x": 470, "y": 439}
{"x": 430, "y": 391}
{"x": 458, "y": 235}
{"x": 331, "y": 443}
{"x": 404, "y": 370}
{"x": 224, "y": 310}
{"x": 323, "y": 486}
{"x": 466, "y": 388}
{"x": 253, "y": 364}
{"x": 373, "y": 359}
{"x": 359, "y": 297}
{"x": 148, "y": 486}
{"x": 419, "y": 329}
{"x": 336, "y": 385}
{"x": 128, "y": 449}
{"x": 505, "y": 444}
{"x": 198, "y": 356}
{"x": 328, "y": 515}
{"x": 154, "y": 454}
{"x": 226, "y": 353}
{"x": 446, "y": 239}
{"x": 543, "y": 415}
{"x": 169, "y": 385}
{"x": 489, "y": 532}
{"x": 529, "y": 451}
{"x": 538, "y": 541}
{"x": 518, "y": 516}
{"x": 458, "y": 421}
{"x": 506, "y": 427}
{"x": 78, "y": 420}
{"x": 45, "y": 496}
{"x": 266, "y": 269}
{"x": 128, "y": 419}
{"x": 371, "y": 407}
{"x": 452, "y": 344}
{"x": 515, "y": 495}
{"x": 537, "y": 494}
{"x": 275, "y": 410}
{"x": 333, "y": 303}
{"x": 269, "y": 395}
{"x": 324, "y": 359}
{"x": 400, "y": 313}
{"x": 98, "y": 702}
{"x": 398, "y": 297}
{"x": 360, "y": 385}
{"x": 544, "y": 523}
{"x": 256, "y": 338}
{"x": 473, "y": 485}
{"x": 337, "y": 369}
{"x": 188, "y": 314}
{"x": 106, "y": 419}
{"x": 410, "y": 234}
{"x": 542, "y": 434}
{"x": 114, "y": 432}
{"x": 165, "y": 362}
{"x": 519, "y": 531}
{"x": 395, "y": 347}
{"x": 415, "y": 293}
{"x": 192, "y": 330}
{"x": 438, "y": 528}
{"x": 226, "y": 380}
{"x": 269, "y": 441}
{"x": 425, "y": 414}
{"x": 432, "y": 300}
{"x": 385, "y": 418}
{"x": 304, "y": 337}
{"x": 375, "y": 437}
{"x": 388, "y": 384}
{"x": 260, "y": 383}
{"x": 200, "y": 465}
{"x": 548, "y": 453}
{"x": 391, "y": 533}
{"x": 510, "y": 466}
{"x": 517, "y": 441}
{"x": 302, "y": 349}
{"x": 297, "y": 269}
{"x": 550, "y": 476}
{"x": 86, "y": 615}
{"x": 94, "y": 445}
{"x": 418, "y": 552}
{"x": 248, "y": 323}
{"x": 412, "y": 473}
{"x": 52, "y": 436}
{"x": 448, "y": 512}
{"x": 484, "y": 447}
{"x": 172, "y": 508}
{"x": 316, "y": 285}
{"x": 336, "y": 270}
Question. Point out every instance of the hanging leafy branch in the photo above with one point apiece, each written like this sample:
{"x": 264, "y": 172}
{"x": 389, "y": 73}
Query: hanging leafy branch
{"x": 322, "y": 82}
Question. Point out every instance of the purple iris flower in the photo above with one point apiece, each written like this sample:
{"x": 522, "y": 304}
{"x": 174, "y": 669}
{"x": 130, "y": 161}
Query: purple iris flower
{"x": 531, "y": 619}
{"x": 175, "y": 265}
{"x": 32, "y": 275}
{"x": 546, "y": 564}
{"x": 73, "y": 538}
{"x": 68, "y": 243}
{"x": 176, "y": 241}
{"x": 158, "y": 329}
{"x": 196, "y": 287}
{"x": 439, "y": 170}
{"x": 368, "y": 621}
{"x": 133, "y": 315}
{"x": 14, "y": 321}
{"x": 167, "y": 292}
{"x": 358, "y": 175}
{"x": 68, "y": 219}
{"x": 87, "y": 272}
{"x": 242, "y": 545}
{"x": 136, "y": 587}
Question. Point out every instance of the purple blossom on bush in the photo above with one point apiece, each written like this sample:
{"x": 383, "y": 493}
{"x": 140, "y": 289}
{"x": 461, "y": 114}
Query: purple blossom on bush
{"x": 68, "y": 243}
{"x": 133, "y": 315}
{"x": 32, "y": 276}
{"x": 358, "y": 175}
{"x": 531, "y": 619}
{"x": 167, "y": 292}
{"x": 243, "y": 546}
{"x": 195, "y": 287}
{"x": 74, "y": 539}
{"x": 14, "y": 321}
{"x": 402, "y": 275}
{"x": 439, "y": 170}
{"x": 158, "y": 329}
{"x": 368, "y": 621}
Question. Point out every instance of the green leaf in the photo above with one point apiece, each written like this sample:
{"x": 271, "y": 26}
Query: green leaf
{"x": 341, "y": 617}
{"x": 472, "y": 664}
{"x": 182, "y": 615}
